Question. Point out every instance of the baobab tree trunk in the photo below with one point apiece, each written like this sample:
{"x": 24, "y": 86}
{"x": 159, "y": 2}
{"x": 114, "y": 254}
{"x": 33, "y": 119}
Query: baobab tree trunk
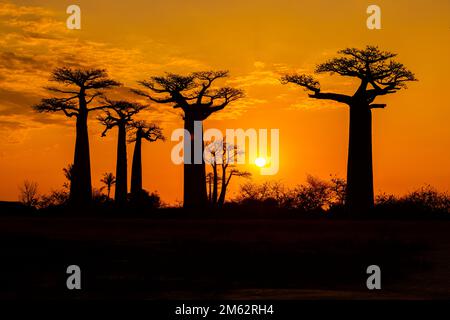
{"x": 359, "y": 195}
{"x": 194, "y": 193}
{"x": 136, "y": 167}
{"x": 80, "y": 186}
{"x": 121, "y": 167}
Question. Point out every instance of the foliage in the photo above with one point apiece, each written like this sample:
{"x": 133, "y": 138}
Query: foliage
{"x": 314, "y": 195}
{"x": 423, "y": 200}
{"x": 144, "y": 200}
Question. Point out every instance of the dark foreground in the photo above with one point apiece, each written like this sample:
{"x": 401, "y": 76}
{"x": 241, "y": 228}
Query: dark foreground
{"x": 142, "y": 258}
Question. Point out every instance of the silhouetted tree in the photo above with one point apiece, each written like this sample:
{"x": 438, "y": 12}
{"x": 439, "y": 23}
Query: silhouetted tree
{"x": 29, "y": 193}
{"x": 214, "y": 149}
{"x": 223, "y": 155}
{"x": 80, "y": 88}
{"x": 149, "y": 132}
{"x": 315, "y": 195}
{"x": 108, "y": 180}
{"x": 194, "y": 95}
{"x": 379, "y": 75}
{"x": 120, "y": 114}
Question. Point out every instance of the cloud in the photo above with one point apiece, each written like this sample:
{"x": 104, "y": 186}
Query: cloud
{"x": 236, "y": 109}
{"x": 35, "y": 40}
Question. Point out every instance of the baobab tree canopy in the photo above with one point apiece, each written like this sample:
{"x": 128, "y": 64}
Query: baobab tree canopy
{"x": 118, "y": 112}
{"x": 378, "y": 72}
{"x": 140, "y": 129}
{"x": 379, "y": 75}
{"x": 192, "y": 93}
{"x": 77, "y": 83}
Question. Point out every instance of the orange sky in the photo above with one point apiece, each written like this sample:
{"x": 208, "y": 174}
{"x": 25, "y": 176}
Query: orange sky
{"x": 257, "y": 41}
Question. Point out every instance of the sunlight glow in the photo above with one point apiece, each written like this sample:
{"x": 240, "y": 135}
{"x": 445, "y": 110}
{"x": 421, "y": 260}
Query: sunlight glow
{"x": 260, "y": 162}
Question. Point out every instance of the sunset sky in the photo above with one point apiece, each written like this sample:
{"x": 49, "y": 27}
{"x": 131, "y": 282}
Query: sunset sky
{"x": 257, "y": 41}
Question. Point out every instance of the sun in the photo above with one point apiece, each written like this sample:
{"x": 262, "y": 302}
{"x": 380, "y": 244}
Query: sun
{"x": 260, "y": 162}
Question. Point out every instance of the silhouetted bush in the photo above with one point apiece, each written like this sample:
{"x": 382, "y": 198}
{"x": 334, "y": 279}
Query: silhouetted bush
{"x": 425, "y": 200}
{"x": 315, "y": 196}
{"x": 144, "y": 200}
{"x": 55, "y": 198}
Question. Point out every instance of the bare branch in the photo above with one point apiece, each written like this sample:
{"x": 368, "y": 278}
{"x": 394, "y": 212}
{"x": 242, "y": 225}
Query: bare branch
{"x": 306, "y": 81}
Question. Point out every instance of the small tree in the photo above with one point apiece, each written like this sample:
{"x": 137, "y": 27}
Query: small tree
{"x": 214, "y": 149}
{"x": 79, "y": 88}
{"x": 120, "y": 114}
{"x": 29, "y": 193}
{"x": 223, "y": 155}
{"x": 141, "y": 130}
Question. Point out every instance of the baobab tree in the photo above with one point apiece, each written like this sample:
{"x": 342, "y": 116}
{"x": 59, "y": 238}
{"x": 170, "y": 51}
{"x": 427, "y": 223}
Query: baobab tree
{"x": 378, "y": 75}
{"x": 79, "y": 88}
{"x": 108, "y": 180}
{"x": 141, "y": 130}
{"x": 120, "y": 114}
{"x": 195, "y": 96}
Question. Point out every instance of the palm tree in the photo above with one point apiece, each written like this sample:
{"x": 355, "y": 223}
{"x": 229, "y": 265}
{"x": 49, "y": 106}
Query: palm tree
{"x": 108, "y": 180}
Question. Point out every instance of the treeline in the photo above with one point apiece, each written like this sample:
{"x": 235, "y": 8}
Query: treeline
{"x": 328, "y": 197}
{"x": 81, "y": 92}
{"x": 315, "y": 198}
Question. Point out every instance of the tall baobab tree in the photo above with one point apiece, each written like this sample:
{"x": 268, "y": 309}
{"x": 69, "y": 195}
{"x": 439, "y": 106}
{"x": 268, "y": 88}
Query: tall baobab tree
{"x": 195, "y": 96}
{"x": 120, "y": 114}
{"x": 378, "y": 75}
{"x": 146, "y": 131}
{"x": 78, "y": 89}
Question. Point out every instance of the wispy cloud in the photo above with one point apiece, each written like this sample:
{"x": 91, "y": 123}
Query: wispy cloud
{"x": 34, "y": 40}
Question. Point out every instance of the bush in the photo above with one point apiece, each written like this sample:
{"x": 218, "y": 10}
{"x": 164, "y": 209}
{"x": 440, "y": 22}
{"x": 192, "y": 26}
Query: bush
{"x": 424, "y": 200}
{"x": 144, "y": 200}
{"x": 316, "y": 195}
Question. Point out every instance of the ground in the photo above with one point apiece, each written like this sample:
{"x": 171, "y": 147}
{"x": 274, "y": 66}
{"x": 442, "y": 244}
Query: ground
{"x": 201, "y": 258}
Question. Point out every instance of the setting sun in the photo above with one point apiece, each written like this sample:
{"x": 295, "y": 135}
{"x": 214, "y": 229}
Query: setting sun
{"x": 260, "y": 162}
